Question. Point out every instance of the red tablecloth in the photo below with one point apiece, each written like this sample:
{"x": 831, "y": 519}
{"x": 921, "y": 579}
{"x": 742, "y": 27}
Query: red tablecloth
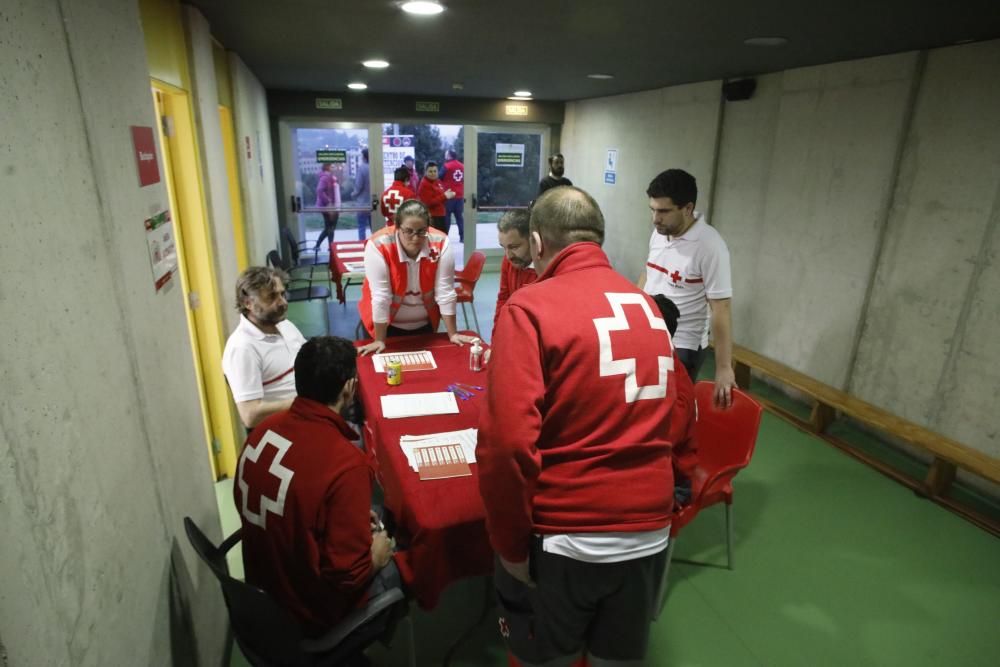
{"x": 442, "y": 521}
{"x": 338, "y": 265}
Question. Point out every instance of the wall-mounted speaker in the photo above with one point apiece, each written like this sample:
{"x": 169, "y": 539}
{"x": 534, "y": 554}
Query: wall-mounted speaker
{"x": 740, "y": 89}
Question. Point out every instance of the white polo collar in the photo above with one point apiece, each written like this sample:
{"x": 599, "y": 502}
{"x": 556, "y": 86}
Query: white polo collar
{"x": 694, "y": 231}
{"x": 250, "y": 329}
{"x": 425, "y": 251}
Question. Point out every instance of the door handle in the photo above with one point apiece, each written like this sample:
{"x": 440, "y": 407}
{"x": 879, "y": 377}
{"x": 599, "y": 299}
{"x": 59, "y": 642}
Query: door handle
{"x": 374, "y": 203}
{"x": 294, "y": 210}
{"x": 475, "y": 202}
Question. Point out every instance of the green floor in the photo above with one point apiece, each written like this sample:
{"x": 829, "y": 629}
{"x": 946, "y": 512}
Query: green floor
{"x": 835, "y": 565}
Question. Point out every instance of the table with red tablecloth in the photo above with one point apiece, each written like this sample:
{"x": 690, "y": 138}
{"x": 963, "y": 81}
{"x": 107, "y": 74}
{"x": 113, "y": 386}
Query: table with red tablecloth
{"x": 339, "y": 268}
{"x": 440, "y": 522}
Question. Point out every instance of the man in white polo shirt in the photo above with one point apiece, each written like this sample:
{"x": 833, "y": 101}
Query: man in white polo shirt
{"x": 689, "y": 263}
{"x": 259, "y": 359}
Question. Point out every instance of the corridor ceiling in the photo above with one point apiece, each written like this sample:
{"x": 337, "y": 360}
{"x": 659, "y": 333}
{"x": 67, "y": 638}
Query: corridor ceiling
{"x": 492, "y": 48}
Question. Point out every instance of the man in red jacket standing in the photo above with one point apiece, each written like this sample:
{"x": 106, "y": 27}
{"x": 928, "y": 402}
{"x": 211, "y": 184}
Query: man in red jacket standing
{"x": 516, "y": 269}
{"x": 394, "y": 195}
{"x": 432, "y": 193}
{"x": 303, "y": 491}
{"x": 574, "y": 449}
{"x": 454, "y": 179}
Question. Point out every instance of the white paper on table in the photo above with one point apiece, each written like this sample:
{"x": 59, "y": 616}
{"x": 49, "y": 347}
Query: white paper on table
{"x": 397, "y": 406}
{"x": 351, "y": 254}
{"x": 466, "y": 438}
{"x": 354, "y": 267}
{"x": 417, "y": 360}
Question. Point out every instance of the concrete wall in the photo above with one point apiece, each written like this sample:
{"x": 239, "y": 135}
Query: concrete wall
{"x": 670, "y": 126}
{"x": 860, "y": 201}
{"x": 100, "y": 426}
{"x": 205, "y": 97}
{"x": 253, "y": 136}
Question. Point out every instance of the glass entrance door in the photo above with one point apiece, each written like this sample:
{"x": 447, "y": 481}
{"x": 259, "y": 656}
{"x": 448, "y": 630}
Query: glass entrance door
{"x": 510, "y": 161}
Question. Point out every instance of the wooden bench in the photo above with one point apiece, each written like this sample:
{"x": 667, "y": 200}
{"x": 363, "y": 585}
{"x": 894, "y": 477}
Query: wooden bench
{"x": 948, "y": 455}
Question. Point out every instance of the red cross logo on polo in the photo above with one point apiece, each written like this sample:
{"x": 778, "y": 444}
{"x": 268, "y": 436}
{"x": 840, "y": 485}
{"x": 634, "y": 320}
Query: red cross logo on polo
{"x": 274, "y": 505}
{"x": 645, "y": 341}
{"x": 504, "y": 628}
{"x": 676, "y": 276}
{"x": 392, "y": 200}
{"x": 457, "y": 176}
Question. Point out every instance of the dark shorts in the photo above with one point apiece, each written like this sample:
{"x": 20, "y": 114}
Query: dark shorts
{"x": 604, "y": 609}
{"x": 692, "y": 360}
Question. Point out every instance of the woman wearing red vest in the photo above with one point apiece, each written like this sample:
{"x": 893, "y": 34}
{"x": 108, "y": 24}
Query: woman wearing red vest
{"x": 409, "y": 280}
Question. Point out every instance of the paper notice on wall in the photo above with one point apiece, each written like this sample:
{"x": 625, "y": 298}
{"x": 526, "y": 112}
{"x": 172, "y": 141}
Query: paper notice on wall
{"x": 395, "y": 148}
{"x": 162, "y": 248}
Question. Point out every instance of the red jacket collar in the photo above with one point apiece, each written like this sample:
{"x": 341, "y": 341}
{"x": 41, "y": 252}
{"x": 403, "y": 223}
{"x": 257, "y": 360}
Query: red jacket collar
{"x": 306, "y": 408}
{"x": 576, "y": 257}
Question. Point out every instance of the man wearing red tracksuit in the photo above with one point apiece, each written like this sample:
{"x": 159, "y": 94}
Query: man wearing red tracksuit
{"x": 394, "y": 196}
{"x": 303, "y": 490}
{"x": 453, "y": 178}
{"x": 574, "y": 451}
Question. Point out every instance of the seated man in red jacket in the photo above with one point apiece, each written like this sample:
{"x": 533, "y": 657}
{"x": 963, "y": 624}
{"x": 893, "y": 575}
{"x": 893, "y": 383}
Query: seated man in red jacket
{"x": 303, "y": 491}
{"x": 516, "y": 270}
{"x": 574, "y": 450}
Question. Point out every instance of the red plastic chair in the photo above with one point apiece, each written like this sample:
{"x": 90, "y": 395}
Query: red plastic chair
{"x": 725, "y": 439}
{"x": 465, "y": 285}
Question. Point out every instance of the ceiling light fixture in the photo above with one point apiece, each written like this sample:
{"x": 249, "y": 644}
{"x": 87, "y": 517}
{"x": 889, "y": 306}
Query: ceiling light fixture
{"x": 376, "y": 64}
{"x": 766, "y": 41}
{"x": 522, "y": 93}
{"x": 422, "y": 7}
{"x": 600, "y": 76}
{"x": 519, "y": 98}
{"x": 357, "y": 85}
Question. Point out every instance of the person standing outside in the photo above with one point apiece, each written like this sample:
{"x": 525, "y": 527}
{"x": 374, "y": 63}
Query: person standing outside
{"x": 432, "y": 193}
{"x": 409, "y": 282}
{"x": 327, "y": 195}
{"x": 454, "y": 180}
{"x": 413, "y": 181}
{"x": 689, "y": 263}
{"x": 363, "y": 193}
{"x": 557, "y": 168}
{"x": 574, "y": 453}
{"x": 394, "y": 195}
{"x": 259, "y": 358}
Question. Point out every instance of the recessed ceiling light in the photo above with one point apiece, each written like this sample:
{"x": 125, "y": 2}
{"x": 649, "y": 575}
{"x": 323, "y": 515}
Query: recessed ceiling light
{"x": 357, "y": 85}
{"x": 600, "y": 76}
{"x": 766, "y": 41}
{"x": 457, "y": 86}
{"x": 376, "y": 64}
{"x": 522, "y": 93}
{"x": 422, "y": 7}
{"x": 519, "y": 98}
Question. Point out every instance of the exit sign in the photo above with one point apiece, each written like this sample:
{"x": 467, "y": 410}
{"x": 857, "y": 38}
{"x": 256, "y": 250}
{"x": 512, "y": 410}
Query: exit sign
{"x": 328, "y": 156}
{"x": 516, "y": 109}
{"x": 430, "y": 107}
{"x": 329, "y": 103}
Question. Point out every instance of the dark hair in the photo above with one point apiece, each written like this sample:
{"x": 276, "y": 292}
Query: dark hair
{"x": 554, "y": 156}
{"x": 516, "y": 220}
{"x": 364, "y": 152}
{"x": 567, "y": 215}
{"x": 253, "y": 280}
{"x": 324, "y": 364}
{"x": 669, "y": 311}
{"x": 401, "y": 174}
{"x": 677, "y": 184}
{"x": 428, "y": 165}
{"x": 408, "y": 157}
{"x": 451, "y": 154}
{"x": 413, "y": 208}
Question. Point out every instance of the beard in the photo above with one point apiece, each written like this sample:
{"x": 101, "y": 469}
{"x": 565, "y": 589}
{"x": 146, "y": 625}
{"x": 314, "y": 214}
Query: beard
{"x": 558, "y": 171}
{"x": 519, "y": 262}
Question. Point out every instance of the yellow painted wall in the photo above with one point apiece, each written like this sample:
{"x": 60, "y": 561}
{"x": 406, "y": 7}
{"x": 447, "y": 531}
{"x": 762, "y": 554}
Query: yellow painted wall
{"x": 166, "y": 48}
{"x": 235, "y": 197}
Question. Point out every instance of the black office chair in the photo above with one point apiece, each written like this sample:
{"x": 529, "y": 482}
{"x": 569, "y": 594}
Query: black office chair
{"x": 268, "y": 636}
{"x": 298, "y": 288}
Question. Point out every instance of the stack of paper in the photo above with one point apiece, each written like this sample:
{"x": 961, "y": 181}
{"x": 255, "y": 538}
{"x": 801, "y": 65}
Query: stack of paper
{"x": 354, "y": 267}
{"x": 466, "y": 438}
{"x": 396, "y": 406}
{"x": 420, "y": 360}
{"x": 350, "y": 254}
